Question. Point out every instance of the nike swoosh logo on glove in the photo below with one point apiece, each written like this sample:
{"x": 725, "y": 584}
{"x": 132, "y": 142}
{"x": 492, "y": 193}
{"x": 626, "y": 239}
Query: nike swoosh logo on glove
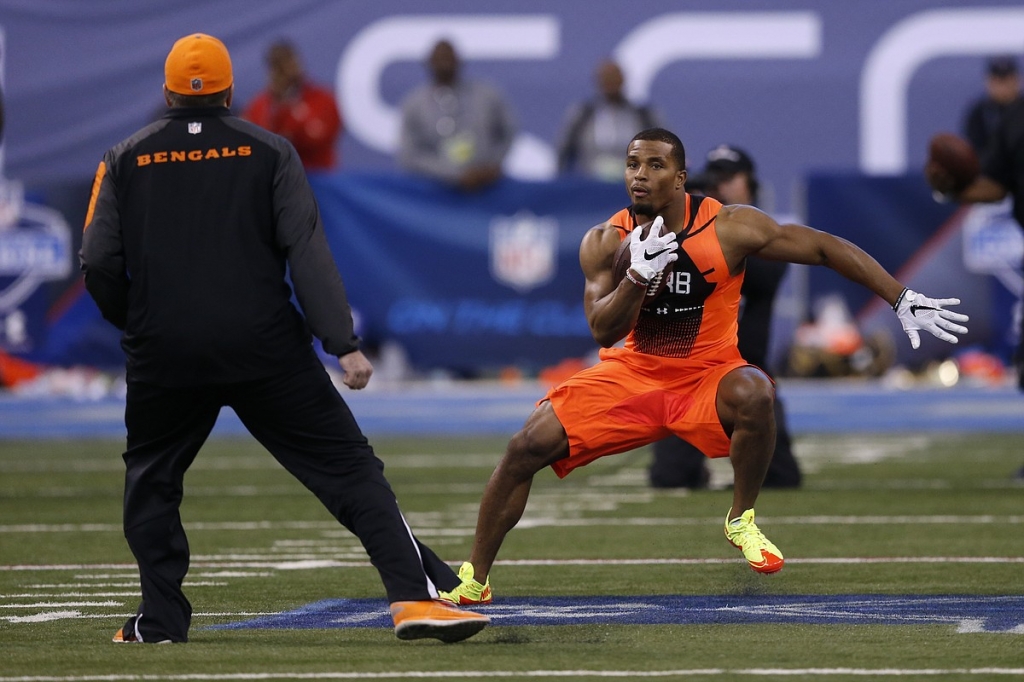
{"x": 915, "y": 308}
{"x": 652, "y": 256}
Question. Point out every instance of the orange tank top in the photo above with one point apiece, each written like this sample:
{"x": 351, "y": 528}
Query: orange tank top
{"x": 695, "y": 317}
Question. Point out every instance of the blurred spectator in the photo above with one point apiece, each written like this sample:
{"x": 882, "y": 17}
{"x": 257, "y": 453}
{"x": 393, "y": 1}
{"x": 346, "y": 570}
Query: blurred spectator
{"x": 1002, "y": 175}
{"x": 1002, "y": 88}
{"x": 730, "y": 177}
{"x": 454, "y": 130}
{"x": 300, "y": 111}
{"x": 597, "y": 131}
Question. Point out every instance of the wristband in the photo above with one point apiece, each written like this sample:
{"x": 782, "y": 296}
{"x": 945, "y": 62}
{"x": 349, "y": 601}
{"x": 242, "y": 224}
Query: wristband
{"x": 634, "y": 280}
{"x": 895, "y": 306}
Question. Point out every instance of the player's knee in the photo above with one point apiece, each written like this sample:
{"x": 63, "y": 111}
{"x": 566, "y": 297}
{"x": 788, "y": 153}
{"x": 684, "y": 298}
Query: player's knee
{"x": 752, "y": 396}
{"x": 540, "y": 442}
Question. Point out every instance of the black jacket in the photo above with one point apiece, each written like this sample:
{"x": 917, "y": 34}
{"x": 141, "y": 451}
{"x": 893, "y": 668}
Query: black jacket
{"x": 193, "y": 224}
{"x": 1003, "y": 158}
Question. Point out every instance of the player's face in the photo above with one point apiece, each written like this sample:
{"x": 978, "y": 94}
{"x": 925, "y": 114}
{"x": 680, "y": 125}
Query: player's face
{"x": 652, "y": 178}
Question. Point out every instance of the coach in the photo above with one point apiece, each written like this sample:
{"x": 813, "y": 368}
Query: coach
{"x": 193, "y": 222}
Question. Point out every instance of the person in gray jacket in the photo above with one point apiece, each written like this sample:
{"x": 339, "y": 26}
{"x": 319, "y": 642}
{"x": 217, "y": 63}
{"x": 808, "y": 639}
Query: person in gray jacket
{"x": 455, "y": 130}
{"x": 597, "y": 130}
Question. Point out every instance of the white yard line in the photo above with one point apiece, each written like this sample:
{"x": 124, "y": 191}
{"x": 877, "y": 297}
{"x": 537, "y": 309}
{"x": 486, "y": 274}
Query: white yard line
{"x": 538, "y": 521}
{"x": 469, "y": 674}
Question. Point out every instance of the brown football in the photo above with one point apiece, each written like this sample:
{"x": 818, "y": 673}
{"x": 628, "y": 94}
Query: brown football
{"x": 956, "y": 158}
{"x": 621, "y": 262}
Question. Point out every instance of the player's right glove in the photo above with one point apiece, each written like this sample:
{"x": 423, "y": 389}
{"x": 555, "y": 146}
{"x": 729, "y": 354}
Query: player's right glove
{"x": 649, "y": 256}
{"x": 918, "y": 312}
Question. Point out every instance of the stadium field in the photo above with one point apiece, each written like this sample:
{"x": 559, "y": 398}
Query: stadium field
{"x": 905, "y": 559}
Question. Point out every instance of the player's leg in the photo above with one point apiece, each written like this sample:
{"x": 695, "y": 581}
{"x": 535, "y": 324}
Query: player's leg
{"x": 602, "y": 410}
{"x": 300, "y": 417}
{"x": 166, "y": 427}
{"x": 745, "y": 405}
{"x": 541, "y": 442}
{"x": 302, "y": 420}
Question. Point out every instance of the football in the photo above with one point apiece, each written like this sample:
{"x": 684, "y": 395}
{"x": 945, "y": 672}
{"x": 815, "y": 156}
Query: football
{"x": 956, "y": 158}
{"x": 621, "y": 262}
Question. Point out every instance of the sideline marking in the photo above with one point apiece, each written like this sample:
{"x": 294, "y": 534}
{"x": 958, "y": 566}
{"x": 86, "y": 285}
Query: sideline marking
{"x": 967, "y": 613}
{"x": 448, "y": 674}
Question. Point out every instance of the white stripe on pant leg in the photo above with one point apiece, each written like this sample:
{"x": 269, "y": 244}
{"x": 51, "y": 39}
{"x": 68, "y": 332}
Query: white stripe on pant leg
{"x": 431, "y": 587}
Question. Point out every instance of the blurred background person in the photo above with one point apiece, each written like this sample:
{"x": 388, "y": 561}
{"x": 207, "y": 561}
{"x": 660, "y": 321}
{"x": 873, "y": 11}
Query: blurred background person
{"x": 1002, "y": 88}
{"x": 729, "y": 176}
{"x": 1002, "y": 176}
{"x": 297, "y": 109}
{"x": 597, "y": 130}
{"x": 455, "y": 130}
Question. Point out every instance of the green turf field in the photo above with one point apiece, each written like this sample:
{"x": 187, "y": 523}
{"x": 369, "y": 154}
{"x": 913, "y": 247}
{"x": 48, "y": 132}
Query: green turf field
{"x": 879, "y": 515}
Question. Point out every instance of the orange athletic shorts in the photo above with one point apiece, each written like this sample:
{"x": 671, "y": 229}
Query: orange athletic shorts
{"x": 629, "y": 400}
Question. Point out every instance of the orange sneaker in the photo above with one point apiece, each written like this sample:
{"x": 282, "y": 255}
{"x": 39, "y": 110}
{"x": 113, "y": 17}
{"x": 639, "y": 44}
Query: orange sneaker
{"x": 435, "y": 619}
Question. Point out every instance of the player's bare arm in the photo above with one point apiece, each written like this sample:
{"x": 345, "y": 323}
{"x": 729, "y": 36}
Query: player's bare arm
{"x": 611, "y": 307}
{"x": 744, "y": 230}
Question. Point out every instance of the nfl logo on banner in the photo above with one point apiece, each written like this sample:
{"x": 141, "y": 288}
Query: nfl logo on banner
{"x": 524, "y": 250}
{"x": 195, "y": 128}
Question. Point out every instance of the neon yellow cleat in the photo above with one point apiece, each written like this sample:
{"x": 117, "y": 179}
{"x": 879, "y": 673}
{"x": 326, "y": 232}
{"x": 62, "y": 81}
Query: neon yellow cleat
{"x": 470, "y": 592}
{"x": 760, "y": 553}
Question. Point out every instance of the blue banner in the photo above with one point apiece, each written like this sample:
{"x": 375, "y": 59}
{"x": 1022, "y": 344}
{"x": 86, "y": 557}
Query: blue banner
{"x": 466, "y": 281}
{"x": 472, "y": 282}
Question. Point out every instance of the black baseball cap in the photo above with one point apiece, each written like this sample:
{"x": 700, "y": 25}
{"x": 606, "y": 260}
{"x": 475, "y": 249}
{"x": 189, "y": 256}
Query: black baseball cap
{"x": 726, "y": 160}
{"x": 1002, "y": 65}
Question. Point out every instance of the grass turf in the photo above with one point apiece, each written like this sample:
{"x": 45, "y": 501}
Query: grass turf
{"x": 865, "y": 496}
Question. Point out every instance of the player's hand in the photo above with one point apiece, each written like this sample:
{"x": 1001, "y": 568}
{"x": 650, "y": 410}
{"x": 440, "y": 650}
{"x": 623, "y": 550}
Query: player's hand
{"x": 917, "y": 312}
{"x": 648, "y": 257}
{"x": 357, "y": 369}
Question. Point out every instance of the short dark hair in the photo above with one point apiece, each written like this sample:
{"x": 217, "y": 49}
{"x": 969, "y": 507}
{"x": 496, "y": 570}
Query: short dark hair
{"x": 668, "y": 137}
{"x": 216, "y": 99}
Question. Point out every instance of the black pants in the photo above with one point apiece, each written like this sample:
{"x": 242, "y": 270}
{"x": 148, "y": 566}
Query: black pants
{"x": 676, "y": 463}
{"x": 301, "y": 419}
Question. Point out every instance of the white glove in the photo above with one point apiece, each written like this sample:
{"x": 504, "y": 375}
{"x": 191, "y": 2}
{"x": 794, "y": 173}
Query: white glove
{"x": 917, "y": 311}
{"x": 649, "y": 256}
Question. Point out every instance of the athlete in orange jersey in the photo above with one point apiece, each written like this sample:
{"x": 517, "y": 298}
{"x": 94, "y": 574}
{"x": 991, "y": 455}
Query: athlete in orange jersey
{"x": 680, "y": 370}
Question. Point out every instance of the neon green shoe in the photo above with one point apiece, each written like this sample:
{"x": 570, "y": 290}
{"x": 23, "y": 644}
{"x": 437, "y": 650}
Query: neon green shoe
{"x": 470, "y": 591}
{"x": 760, "y": 553}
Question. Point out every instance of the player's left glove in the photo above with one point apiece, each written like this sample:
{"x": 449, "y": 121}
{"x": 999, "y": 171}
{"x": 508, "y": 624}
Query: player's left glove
{"x": 917, "y": 312}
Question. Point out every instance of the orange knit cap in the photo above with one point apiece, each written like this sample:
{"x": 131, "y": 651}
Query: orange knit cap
{"x": 198, "y": 64}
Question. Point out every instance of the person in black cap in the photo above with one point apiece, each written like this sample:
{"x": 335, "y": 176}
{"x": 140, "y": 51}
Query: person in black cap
{"x": 730, "y": 177}
{"x": 1002, "y": 172}
{"x": 1002, "y": 88}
